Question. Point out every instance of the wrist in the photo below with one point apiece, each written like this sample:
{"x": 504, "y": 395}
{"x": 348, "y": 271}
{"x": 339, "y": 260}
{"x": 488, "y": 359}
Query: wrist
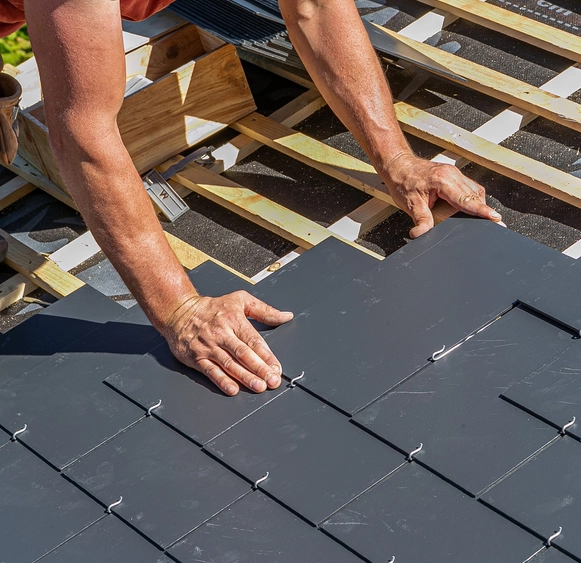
{"x": 398, "y": 167}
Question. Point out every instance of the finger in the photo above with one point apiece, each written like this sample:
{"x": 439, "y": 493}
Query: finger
{"x": 247, "y": 349}
{"x": 235, "y": 369}
{"x": 261, "y": 356}
{"x": 422, "y": 216}
{"x": 215, "y": 374}
{"x": 472, "y": 201}
{"x": 260, "y": 311}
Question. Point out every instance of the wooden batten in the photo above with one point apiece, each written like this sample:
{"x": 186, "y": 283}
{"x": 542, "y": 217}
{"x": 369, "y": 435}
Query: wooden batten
{"x": 514, "y": 25}
{"x": 500, "y": 86}
{"x": 494, "y": 157}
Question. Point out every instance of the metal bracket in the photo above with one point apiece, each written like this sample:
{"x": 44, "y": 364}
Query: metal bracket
{"x": 164, "y": 197}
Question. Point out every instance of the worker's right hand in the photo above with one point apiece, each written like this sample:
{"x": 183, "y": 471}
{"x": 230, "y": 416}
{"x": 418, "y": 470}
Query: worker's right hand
{"x": 214, "y": 336}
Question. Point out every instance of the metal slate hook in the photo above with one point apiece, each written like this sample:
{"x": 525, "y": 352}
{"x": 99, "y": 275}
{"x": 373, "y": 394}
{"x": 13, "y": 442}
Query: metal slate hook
{"x": 392, "y": 560}
{"x": 554, "y": 536}
{"x": 293, "y": 382}
{"x": 411, "y": 455}
{"x": 568, "y": 425}
{"x": 23, "y": 429}
{"x": 114, "y": 505}
{"x": 153, "y": 407}
{"x": 437, "y": 355}
{"x": 255, "y": 486}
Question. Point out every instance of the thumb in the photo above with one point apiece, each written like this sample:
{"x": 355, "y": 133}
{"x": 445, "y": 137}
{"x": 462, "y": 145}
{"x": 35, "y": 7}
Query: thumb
{"x": 422, "y": 217}
{"x": 260, "y": 311}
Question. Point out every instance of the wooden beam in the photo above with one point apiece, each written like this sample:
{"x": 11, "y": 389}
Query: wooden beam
{"x": 500, "y": 86}
{"x": 156, "y": 59}
{"x": 322, "y": 157}
{"x": 290, "y": 114}
{"x": 13, "y": 190}
{"x": 32, "y": 175}
{"x": 499, "y": 159}
{"x": 254, "y": 207}
{"x": 514, "y": 25}
{"x": 40, "y": 269}
{"x": 14, "y": 289}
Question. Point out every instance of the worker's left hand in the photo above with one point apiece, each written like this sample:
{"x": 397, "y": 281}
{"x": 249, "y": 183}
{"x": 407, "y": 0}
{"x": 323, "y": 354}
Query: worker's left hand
{"x": 416, "y": 184}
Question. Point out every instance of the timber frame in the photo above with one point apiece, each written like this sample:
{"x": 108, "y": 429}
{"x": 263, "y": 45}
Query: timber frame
{"x": 152, "y": 43}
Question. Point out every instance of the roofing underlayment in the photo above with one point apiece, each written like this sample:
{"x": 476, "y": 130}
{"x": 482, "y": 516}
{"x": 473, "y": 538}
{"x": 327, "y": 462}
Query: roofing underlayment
{"x": 434, "y": 419}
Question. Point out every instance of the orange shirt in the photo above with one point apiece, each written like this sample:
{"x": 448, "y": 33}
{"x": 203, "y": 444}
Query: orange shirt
{"x": 12, "y": 12}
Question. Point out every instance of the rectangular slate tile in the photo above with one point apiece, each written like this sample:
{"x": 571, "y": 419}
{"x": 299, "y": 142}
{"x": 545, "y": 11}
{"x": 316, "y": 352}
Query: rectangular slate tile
{"x": 256, "y": 529}
{"x": 169, "y": 486}
{"x": 316, "y": 459}
{"x": 191, "y": 403}
{"x": 415, "y": 516}
{"x": 38, "y": 508}
{"x": 559, "y": 297}
{"x": 313, "y": 275}
{"x": 449, "y": 284}
{"x": 214, "y": 281}
{"x": 66, "y": 407}
{"x": 453, "y": 406}
{"x": 107, "y": 541}
{"x": 551, "y": 555}
{"x": 553, "y": 393}
{"x": 542, "y": 494}
{"x": 53, "y": 328}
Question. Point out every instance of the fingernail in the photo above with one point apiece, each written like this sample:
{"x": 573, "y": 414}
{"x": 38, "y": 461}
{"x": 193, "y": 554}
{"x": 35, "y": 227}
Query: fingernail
{"x": 277, "y": 369}
{"x": 502, "y": 224}
{"x": 258, "y": 385}
{"x": 496, "y": 215}
{"x": 231, "y": 389}
{"x": 273, "y": 381}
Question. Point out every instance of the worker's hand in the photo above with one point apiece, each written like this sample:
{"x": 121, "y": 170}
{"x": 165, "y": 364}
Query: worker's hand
{"x": 214, "y": 336}
{"x": 416, "y": 184}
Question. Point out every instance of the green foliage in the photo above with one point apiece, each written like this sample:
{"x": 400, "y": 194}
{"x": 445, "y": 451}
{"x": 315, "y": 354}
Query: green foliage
{"x": 15, "y": 48}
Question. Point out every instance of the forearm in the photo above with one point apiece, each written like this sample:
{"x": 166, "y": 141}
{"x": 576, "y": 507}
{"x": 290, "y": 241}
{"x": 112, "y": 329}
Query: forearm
{"x": 333, "y": 45}
{"x": 110, "y": 195}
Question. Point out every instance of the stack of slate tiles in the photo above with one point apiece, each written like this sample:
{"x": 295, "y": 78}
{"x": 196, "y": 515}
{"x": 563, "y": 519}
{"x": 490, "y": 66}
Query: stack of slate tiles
{"x": 110, "y": 450}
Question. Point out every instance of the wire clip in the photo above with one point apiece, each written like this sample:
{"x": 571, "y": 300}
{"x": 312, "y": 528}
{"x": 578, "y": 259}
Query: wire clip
{"x": 114, "y": 505}
{"x": 23, "y": 429}
{"x": 293, "y": 382}
{"x": 554, "y": 536}
{"x": 411, "y": 455}
{"x": 255, "y": 486}
{"x": 153, "y": 407}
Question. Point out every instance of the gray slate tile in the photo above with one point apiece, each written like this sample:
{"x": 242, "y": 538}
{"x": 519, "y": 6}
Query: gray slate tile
{"x": 191, "y": 403}
{"x": 416, "y": 516}
{"x": 54, "y": 328}
{"x": 38, "y": 508}
{"x": 258, "y": 530}
{"x": 107, "y": 541}
{"x": 541, "y": 495}
{"x": 214, "y": 281}
{"x": 169, "y": 486}
{"x": 554, "y": 392}
{"x": 559, "y": 297}
{"x": 316, "y": 459}
{"x": 551, "y": 556}
{"x": 453, "y": 406}
{"x": 313, "y": 275}
{"x": 455, "y": 278}
{"x": 66, "y": 407}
